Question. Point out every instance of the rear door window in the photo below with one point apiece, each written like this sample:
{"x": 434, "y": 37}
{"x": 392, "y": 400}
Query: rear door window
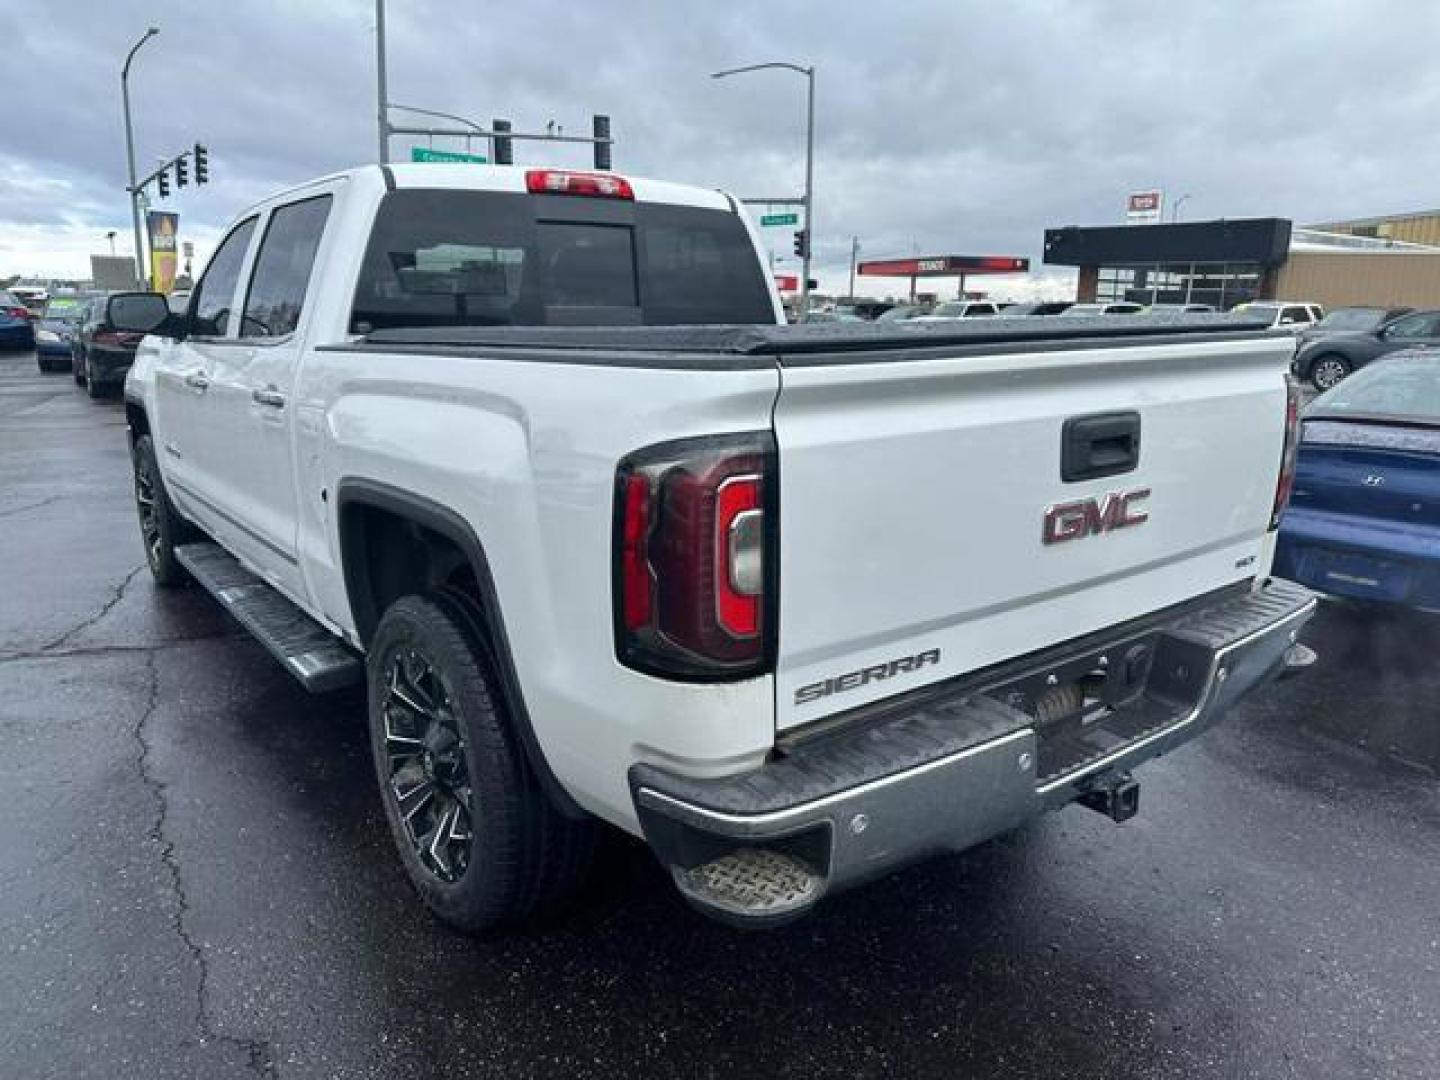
{"x": 282, "y": 268}
{"x": 216, "y": 293}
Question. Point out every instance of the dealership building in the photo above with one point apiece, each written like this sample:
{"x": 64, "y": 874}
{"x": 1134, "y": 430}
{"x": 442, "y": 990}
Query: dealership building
{"x": 1374, "y": 261}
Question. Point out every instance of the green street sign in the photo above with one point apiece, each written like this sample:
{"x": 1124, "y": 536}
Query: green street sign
{"x": 423, "y": 153}
{"x": 780, "y": 219}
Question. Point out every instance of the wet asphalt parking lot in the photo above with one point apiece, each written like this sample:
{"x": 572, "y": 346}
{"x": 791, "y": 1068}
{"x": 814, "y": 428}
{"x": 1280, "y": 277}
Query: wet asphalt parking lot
{"x": 196, "y": 880}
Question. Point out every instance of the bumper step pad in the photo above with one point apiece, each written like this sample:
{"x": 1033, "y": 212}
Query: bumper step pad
{"x": 751, "y": 884}
{"x": 304, "y": 648}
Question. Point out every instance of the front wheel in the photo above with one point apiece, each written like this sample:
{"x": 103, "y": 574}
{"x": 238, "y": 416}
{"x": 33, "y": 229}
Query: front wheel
{"x": 480, "y": 841}
{"x": 161, "y": 528}
{"x": 1328, "y": 371}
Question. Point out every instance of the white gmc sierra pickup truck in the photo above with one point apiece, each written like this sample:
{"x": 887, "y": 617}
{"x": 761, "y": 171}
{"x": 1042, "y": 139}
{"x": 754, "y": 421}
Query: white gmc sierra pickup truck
{"x": 529, "y": 454}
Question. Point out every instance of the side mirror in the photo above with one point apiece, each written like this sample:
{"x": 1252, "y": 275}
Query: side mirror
{"x": 138, "y": 312}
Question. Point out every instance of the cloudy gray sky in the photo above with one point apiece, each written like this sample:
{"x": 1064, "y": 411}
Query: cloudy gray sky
{"x": 942, "y": 127}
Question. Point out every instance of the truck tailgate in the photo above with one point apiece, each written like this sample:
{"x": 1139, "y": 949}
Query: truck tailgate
{"x": 926, "y": 530}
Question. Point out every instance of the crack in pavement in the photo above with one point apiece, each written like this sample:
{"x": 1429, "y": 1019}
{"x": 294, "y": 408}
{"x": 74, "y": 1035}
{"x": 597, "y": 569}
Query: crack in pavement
{"x": 13, "y": 511}
{"x": 47, "y": 652}
{"x": 91, "y": 620}
{"x": 259, "y": 1058}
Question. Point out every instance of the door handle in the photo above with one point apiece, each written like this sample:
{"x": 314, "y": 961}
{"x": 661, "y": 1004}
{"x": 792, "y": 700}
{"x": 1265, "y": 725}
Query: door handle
{"x": 1105, "y": 444}
{"x": 197, "y": 380}
{"x": 268, "y": 396}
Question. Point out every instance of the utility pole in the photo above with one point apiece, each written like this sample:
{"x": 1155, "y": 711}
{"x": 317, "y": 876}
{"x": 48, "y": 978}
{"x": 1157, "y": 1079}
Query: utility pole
{"x": 380, "y": 92}
{"x": 854, "y": 254}
{"x": 140, "y": 269}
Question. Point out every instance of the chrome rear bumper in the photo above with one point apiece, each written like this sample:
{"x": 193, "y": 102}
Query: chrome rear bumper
{"x": 952, "y": 771}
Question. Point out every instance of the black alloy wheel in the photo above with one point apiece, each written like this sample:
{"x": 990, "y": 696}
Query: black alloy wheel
{"x": 480, "y": 841}
{"x": 161, "y": 528}
{"x": 427, "y": 778}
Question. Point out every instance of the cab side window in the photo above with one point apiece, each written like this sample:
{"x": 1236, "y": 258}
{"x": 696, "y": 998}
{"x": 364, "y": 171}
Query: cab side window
{"x": 282, "y": 269}
{"x": 1412, "y": 328}
{"x": 217, "y": 288}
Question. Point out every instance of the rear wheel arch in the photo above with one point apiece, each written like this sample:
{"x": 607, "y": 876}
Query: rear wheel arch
{"x": 395, "y": 543}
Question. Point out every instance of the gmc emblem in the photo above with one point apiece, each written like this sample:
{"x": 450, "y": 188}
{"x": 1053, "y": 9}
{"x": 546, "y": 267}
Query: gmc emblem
{"x": 1092, "y": 517}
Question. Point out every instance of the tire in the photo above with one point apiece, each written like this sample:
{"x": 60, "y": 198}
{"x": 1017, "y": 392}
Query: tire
{"x": 92, "y": 384}
{"x": 1328, "y": 371}
{"x": 161, "y": 528}
{"x": 482, "y": 844}
{"x": 43, "y": 363}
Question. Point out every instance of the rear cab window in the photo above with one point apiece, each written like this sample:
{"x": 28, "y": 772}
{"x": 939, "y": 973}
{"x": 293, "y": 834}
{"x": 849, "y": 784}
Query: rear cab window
{"x": 482, "y": 258}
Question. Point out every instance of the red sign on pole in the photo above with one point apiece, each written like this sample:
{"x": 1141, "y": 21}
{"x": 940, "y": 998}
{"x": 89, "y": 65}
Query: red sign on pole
{"x": 787, "y": 282}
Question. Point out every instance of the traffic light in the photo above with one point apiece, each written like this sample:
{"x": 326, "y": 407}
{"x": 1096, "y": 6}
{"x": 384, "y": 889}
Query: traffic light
{"x": 504, "y": 148}
{"x": 202, "y": 164}
{"x": 162, "y": 181}
{"x": 802, "y": 242}
{"x": 182, "y": 171}
{"x": 601, "y": 129}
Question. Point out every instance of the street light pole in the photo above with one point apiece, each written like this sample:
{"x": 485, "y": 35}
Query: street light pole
{"x": 1175, "y": 210}
{"x": 140, "y": 270}
{"x": 809, "y": 190}
{"x": 809, "y": 199}
{"x": 854, "y": 253}
{"x": 381, "y": 115}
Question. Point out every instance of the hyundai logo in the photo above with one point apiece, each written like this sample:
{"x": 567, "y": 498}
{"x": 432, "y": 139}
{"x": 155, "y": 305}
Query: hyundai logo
{"x": 1374, "y": 481}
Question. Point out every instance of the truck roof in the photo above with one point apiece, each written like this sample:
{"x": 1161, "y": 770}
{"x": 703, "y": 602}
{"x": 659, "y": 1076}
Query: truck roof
{"x": 510, "y": 178}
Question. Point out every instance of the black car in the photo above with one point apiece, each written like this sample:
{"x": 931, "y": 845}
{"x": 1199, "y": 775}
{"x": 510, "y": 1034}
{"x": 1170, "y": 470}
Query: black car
{"x": 1346, "y": 320}
{"x": 100, "y": 355}
{"x": 1325, "y": 361}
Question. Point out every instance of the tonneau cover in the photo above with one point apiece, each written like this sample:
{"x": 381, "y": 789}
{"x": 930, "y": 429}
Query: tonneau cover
{"x": 827, "y": 338}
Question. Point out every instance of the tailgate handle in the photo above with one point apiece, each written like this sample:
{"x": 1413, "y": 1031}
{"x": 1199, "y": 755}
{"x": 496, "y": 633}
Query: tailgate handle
{"x": 1105, "y": 444}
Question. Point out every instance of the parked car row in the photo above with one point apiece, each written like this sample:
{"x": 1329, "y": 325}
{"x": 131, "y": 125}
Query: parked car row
{"x": 71, "y": 333}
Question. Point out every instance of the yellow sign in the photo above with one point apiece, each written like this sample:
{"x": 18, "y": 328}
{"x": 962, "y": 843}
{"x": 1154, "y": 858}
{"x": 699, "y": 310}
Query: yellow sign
{"x": 162, "y": 225}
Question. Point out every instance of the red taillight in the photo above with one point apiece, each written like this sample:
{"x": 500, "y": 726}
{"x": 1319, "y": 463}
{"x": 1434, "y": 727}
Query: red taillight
{"x": 564, "y": 182}
{"x": 1291, "y": 450}
{"x": 634, "y": 569}
{"x": 692, "y": 553}
{"x": 19, "y": 313}
{"x": 119, "y": 339}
